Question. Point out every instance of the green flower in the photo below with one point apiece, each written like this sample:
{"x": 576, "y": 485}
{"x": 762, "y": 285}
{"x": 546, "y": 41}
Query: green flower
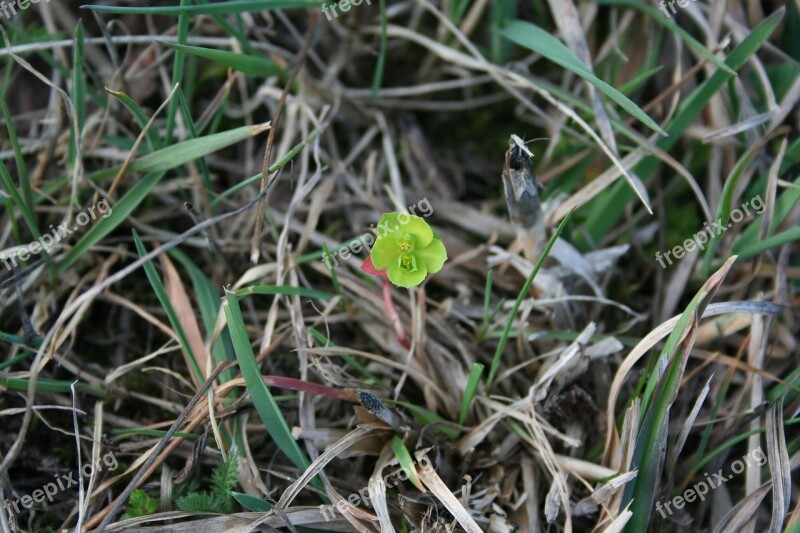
{"x": 407, "y": 249}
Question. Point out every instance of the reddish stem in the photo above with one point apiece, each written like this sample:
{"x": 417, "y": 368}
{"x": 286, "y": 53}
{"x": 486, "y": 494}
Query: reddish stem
{"x": 388, "y": 301}
{"x": 393, "y": 315}
{"x": 313, "y": 388}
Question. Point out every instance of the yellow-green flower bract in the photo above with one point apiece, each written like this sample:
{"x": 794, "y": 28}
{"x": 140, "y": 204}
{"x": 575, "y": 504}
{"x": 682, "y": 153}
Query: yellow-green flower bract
{"x": 407, "y": 248}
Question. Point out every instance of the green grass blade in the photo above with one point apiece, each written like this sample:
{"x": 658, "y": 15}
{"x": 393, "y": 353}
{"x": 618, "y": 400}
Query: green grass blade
{"x": 469, "y": 392}
{"x": 103, "y": 226}
{"x": 726, "y": 198}
{"x": 219, "y": 8}
{"x": 502, "y": 344}
{"x": 771, "y": 242}
{"x": 173, "y": 156}
{"x": 672, "y": 26}
{"x": 13, "y": 339}
{"x": 250, "y": 65}
{"x": 334, "y": 277}
{"x": 457, "y": 10}
{"x": 350, "y": 360}
{"x": 257, "y": 505}
{"x": 783, "y": 204}
{"x": 639, "y": 79}
{"x": 230, "y": 30}
{"x": 265, "y": 404}
{"x": 275, "y": 166}
{"x": 141, "y": 119}
{"x": 19, "y": 158}
{"x": 487, "y": 294}
{"x": 426, "y": 417}
{"x": 78, "y": 91}
{"x": 201, "y": 162}
{"x": 648, "y": 456}
{"x": 177, "y": 71}
{"x": 27, "y": 214}
{"x": 283, "y": 289}
{"x": 208, "y": 301}
{"x": 542, "y": 42}
{"x": 120, "y": 434}
{"x": 377, "y": 78}
{"x": 48, "y": 385}
{"x": 600, "y": 221}
{"x": 406, "y": 461}
{"x": 502, "y": 12}
{"x": 166, "y": 303}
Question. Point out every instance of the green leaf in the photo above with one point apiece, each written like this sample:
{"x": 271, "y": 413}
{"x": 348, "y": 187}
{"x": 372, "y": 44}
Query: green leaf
{"x": 48, "y": 385}
{"x": 223, "y": 480}
{"x": 172, "y": 156}
{"x": 200, "y": 502}
{"x": 166, "y": 303}
{"x": 219, "y": 8}
{"x": 157, "y": 164}
{"x": 601, "y": 221}
{"x": 250, "y": 65}
{"x": 208, "y": 301}
{"x": 264, "y": 403}
{"x": 140, "y": 504}
{"x": 178, "y": 63}
{"x": 498, "y": 354}
{"x": 650, "y": 448}
{"x": 27, "y": 214}
{"x": 407, "y": 271}
{"x": 377, "y": 77}
{"x": 426, "y": 417}
{"x": 141, "y": 119}
{"x": 672, "y": 26}
{"x": 105, "y": 225}
{"x": 774, "y": 241}
{"x": 284, "y": 289}
{"x": 469, "y": 391}
{"x": 257, "y": 505}
{"x": 384, "y": 252}
{"x": 77, "y": 91}
{"x": 784, "y": 204}
{"x": 726, "y": 198}
{"x": 19, "y": 157}
{"x": 542, "y": 42}
{"x": 405, "y": 460}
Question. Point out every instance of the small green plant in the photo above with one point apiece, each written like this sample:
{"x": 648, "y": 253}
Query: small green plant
{"x": 140, "y": 504}
{"x": 407, "y": 248}
{"x": 220, "y": 498}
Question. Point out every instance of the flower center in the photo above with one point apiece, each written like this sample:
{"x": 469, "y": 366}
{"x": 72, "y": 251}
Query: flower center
{"x": 408, "y": 262}
{"x": 407, "y": 245}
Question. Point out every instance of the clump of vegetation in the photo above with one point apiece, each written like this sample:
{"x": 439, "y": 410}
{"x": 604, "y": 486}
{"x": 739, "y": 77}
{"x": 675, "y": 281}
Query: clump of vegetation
{"x": 140, "y": 504}
{"x": 219, "y": 499}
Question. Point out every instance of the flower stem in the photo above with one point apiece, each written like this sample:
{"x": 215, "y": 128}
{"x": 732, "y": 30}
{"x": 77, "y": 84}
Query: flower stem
{"x": 393, "y": 315}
